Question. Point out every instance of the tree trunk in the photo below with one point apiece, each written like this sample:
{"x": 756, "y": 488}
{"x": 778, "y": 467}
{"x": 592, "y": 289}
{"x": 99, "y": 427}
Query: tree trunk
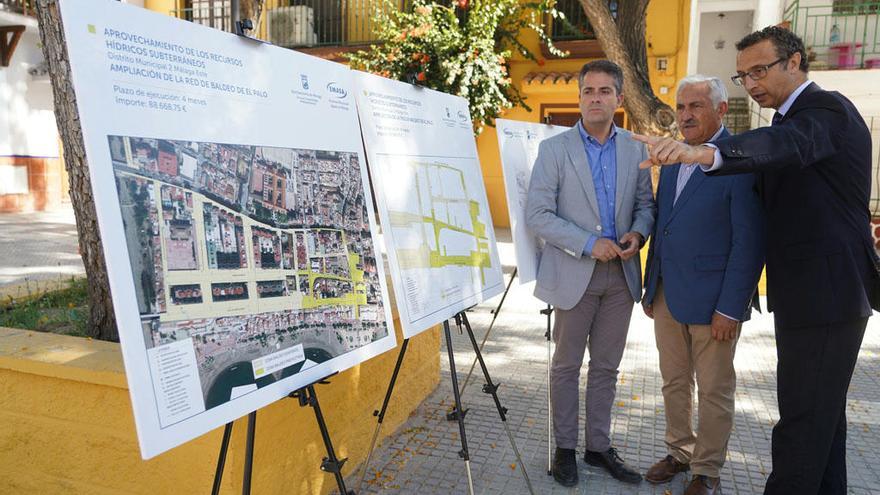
{"x": 624, "y": 44}
{"x": 102, "y": 321}
{"x": 253, "y": 10}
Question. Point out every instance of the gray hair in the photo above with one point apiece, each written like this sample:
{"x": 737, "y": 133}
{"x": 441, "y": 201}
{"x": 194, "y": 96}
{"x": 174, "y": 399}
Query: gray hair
{"x": 717, "y": 90}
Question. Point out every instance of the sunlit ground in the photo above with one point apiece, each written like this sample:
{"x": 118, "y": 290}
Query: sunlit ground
{"x": 422, "y": 457}
{"x": 36, "y": 247}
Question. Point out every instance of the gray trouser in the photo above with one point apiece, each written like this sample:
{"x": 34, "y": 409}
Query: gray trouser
{"x": 600, "y": 321}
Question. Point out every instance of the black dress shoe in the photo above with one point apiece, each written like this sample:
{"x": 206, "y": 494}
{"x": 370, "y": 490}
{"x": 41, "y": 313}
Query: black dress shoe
{"x": 614, "y": 464}
{"x": 565, "y": 469}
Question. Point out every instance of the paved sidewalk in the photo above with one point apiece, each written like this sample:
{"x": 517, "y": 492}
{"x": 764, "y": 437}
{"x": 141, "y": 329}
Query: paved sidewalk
{"x": 37, "y": 250}
{"x": 422, "y": 456}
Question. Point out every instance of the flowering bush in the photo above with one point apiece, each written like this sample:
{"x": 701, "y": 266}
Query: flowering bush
{"x": 460, "y": 47}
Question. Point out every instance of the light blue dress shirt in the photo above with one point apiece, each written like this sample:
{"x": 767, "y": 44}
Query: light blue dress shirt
{"x": 687, "y": 169}
{"x": 602, "y": 160}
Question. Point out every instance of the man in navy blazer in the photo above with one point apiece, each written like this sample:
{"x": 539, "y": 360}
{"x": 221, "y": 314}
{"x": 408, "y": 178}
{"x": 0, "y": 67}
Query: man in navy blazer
{"x": 703, "y": 266}
{"x": 813, "y": 168}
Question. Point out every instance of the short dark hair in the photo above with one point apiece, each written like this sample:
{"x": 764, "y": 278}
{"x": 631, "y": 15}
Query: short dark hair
{"x": 605, "y": 66}
{"x": 785, "y": 42}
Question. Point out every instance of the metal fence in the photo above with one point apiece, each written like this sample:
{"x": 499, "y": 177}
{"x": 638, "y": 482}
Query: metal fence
{"x": 25, "y": 7}
{"x": 840, "y": 35}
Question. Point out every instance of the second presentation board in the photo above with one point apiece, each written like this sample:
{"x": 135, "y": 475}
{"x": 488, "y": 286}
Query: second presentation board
{"x": 432, "y": 201}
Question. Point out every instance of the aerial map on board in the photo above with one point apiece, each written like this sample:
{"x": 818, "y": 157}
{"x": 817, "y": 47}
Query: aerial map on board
{"x": 229, "y": 253}
{"x": 235, "y": 213}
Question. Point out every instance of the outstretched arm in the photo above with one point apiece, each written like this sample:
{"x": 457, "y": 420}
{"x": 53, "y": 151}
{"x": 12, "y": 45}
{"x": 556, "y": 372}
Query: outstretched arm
{"x": 803, "y": 139}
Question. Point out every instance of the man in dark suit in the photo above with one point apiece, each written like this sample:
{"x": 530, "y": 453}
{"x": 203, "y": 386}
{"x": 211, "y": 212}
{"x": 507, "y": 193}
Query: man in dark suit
{"x": 813, "y": 170}
{"x": 703, "y": 267}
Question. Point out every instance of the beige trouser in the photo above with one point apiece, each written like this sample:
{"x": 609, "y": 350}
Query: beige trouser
{"x": 686, "y": 350}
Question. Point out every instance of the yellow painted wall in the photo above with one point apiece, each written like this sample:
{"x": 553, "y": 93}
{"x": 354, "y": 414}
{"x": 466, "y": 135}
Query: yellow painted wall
{"x": 163, "y": 6}
{"x": 666, "y": 35}
{"x": 67, "y": 425}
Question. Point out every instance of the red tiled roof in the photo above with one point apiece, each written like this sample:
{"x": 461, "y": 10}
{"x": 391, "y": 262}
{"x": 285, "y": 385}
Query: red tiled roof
{"x": 549, "y": 77}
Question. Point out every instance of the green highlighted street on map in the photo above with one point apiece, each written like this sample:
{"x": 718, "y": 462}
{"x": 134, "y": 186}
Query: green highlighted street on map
{"x": 449, "y": 209}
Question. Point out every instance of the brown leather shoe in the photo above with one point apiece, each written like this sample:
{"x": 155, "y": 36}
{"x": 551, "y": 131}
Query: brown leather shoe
{"x": 665, "y": 469}
{"x": 704, "y": 485}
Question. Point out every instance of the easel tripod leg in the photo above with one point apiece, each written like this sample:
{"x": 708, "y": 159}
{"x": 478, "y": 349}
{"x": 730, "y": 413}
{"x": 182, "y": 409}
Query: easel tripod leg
{"x": 249, "y": 454}
{"x": 221, "y": 459}
{"x": 381, "y": 414}
{"x": 331, "y": 462}
{"x": 492, "y": 389}
{"x": 495, "y": 312}
{"x": 464, "y": 448}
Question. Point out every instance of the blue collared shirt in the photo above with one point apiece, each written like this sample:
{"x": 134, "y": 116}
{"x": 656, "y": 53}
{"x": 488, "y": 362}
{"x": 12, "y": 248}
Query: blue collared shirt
{"x": 602, "y": 159}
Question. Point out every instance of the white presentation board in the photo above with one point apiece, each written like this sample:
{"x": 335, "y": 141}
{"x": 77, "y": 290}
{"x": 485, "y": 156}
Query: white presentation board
{"x": 432, "y": 202}
{"x": 231, "y": 192}
{"x": 518, "y": 143}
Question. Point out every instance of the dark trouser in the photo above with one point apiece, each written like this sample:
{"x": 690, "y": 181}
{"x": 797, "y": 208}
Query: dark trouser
{"x": 813, "y": 375}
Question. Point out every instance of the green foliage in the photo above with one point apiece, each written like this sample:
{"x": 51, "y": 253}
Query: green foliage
{"x": 460, "y": 47}
{"x": 63, "y": 311}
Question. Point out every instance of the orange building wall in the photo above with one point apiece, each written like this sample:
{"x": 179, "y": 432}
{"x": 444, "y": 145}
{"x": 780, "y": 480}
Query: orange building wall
{"x": 666, "y": 36}
{"x": 45, "y": 182}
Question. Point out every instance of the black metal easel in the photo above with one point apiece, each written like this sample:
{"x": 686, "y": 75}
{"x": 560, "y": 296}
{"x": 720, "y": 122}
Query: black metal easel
{"x": 547, "y": 312}
{"x": 489, "y": 388}
{"x": 495, "y": 312}
{"x": 330, "y": 464}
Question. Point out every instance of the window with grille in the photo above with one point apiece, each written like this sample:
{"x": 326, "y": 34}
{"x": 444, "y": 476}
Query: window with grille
{"x": 577, "y": 26}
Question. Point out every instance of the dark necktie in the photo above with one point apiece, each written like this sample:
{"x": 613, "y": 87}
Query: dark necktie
{"x": 777, "y": 118}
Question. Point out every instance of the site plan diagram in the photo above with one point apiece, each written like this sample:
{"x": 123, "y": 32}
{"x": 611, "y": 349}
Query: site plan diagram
{"x": 435, "y": 216}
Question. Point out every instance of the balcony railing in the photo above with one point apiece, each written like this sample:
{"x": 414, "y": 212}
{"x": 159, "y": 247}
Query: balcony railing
{"x": 842, "y": 35}
{"x": 308, "y": 23}
{"x": 212, "y": 13}
{"x": 302, "y": 23}
{"x": 24, "y": 7}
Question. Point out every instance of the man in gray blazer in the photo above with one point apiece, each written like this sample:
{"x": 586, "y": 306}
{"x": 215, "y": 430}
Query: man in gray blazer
{"x": 593, "y": 208}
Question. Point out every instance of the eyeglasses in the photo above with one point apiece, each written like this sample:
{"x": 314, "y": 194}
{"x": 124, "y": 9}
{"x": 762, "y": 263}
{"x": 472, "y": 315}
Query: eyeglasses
{"x": 759, "y": 72}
